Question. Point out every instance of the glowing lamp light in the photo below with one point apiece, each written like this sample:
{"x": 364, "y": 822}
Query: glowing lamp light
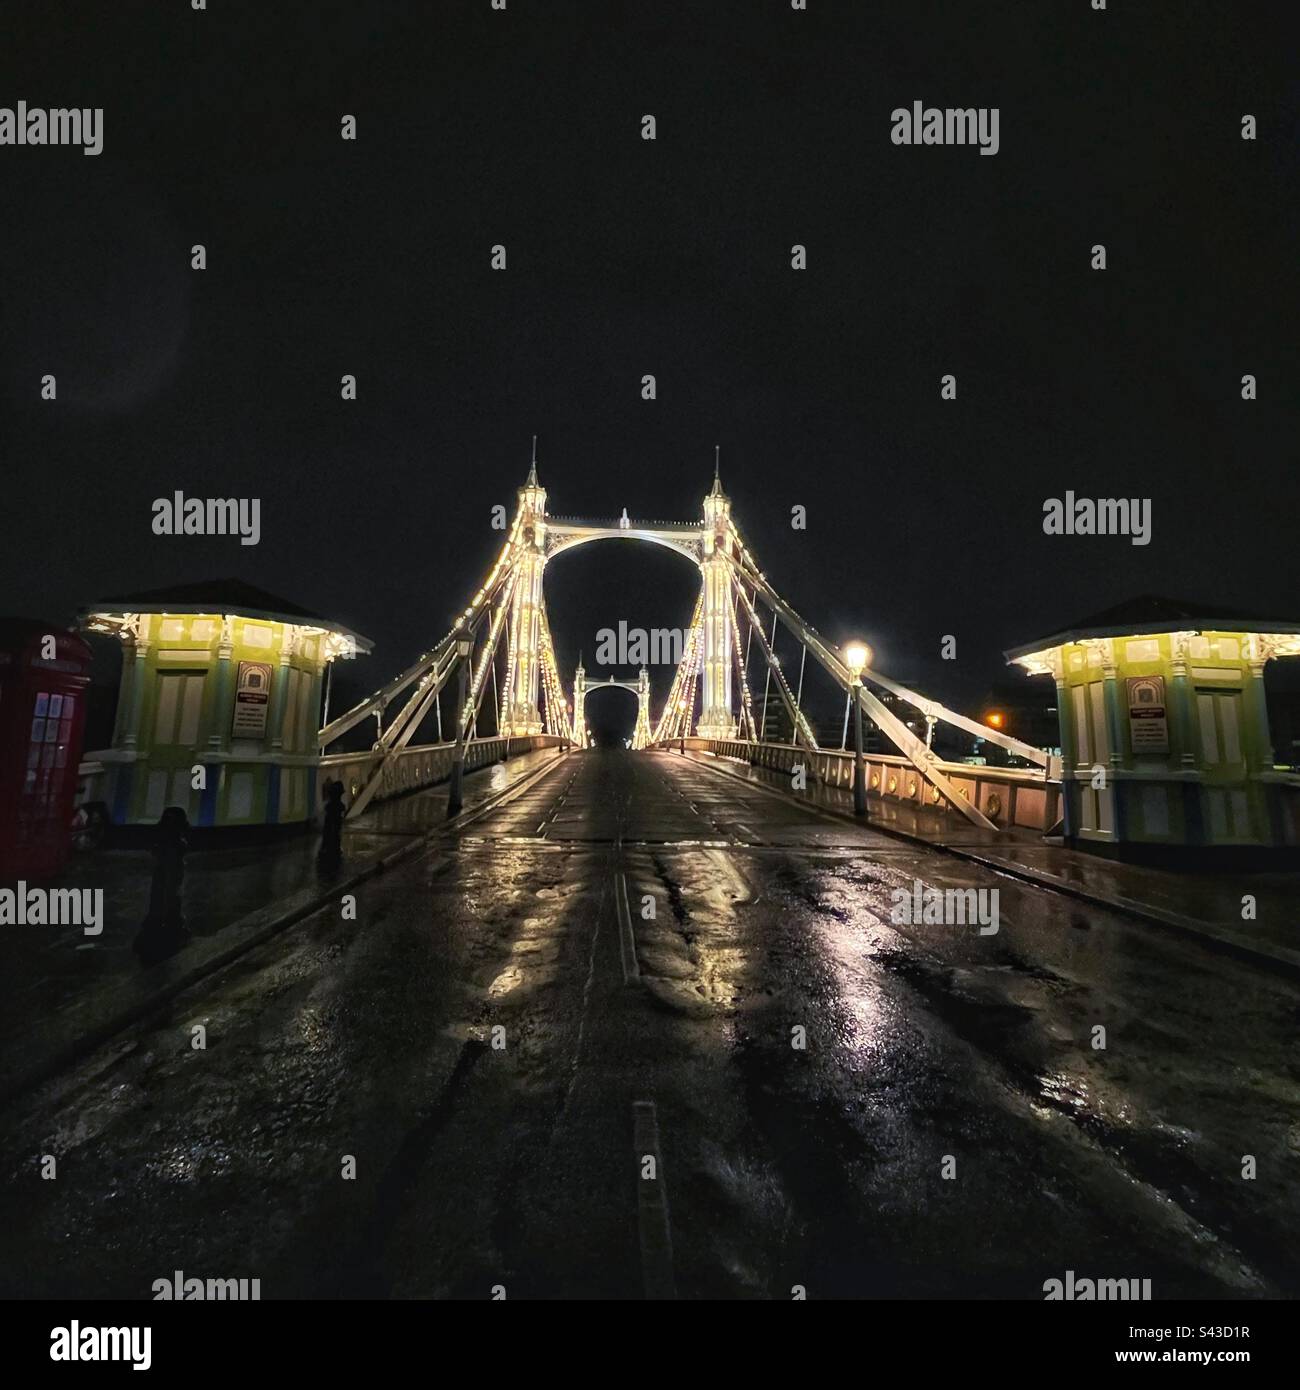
{"x": 995, "y": 720}
{"x": 857, "y": 657}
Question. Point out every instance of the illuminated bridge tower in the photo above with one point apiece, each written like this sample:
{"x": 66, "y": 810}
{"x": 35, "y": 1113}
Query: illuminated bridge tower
{"x": 523, "y": 715}
{"x": 716, "y": 719}
{"x": 580, "y": 705}
{"x": 641, "y": 735}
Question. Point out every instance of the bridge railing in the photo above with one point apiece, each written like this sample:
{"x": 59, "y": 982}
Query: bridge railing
{"x": 1008, "y": 796}
{"x": 424, "y": 765}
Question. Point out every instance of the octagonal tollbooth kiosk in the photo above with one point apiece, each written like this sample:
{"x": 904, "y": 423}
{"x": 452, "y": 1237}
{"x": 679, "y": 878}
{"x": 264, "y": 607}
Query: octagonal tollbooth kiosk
{"x": 224, "y": 677}
{"x": 1165, "y": 743}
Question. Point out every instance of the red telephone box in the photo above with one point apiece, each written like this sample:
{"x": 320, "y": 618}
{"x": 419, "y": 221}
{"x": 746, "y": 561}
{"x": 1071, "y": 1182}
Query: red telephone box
{"x": 44, "y": 673}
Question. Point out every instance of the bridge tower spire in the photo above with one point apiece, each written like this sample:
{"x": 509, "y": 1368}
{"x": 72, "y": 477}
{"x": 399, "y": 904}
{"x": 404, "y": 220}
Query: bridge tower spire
{"x": 580, "y": 704}
{"x": 523, "y": 715}
{"x": 641, "y": 736}
{"x": 716, "y": 719}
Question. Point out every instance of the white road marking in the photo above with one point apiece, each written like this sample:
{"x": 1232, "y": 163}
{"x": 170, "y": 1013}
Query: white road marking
{"x": 652, "y": 1204}
{"x": 627, "y": 942}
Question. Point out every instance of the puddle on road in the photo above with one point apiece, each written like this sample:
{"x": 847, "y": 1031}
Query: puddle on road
{"x": 508, "y": 980}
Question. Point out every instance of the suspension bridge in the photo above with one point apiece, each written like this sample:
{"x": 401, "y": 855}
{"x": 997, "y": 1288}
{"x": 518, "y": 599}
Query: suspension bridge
{"x": 736, "y": 624}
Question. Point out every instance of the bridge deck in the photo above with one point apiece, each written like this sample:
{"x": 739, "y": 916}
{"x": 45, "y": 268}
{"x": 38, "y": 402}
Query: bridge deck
{"x": 817, "y": 1165}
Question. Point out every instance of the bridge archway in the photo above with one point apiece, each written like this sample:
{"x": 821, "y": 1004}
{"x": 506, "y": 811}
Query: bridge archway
{"x": 570, "y": 536}
{"x": 620, "y": 607}
{"x": 639, "y": 689}
{"x": 538, "y": 537}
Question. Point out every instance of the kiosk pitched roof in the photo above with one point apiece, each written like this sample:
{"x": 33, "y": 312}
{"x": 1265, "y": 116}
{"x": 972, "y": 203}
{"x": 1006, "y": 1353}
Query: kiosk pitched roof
{"x": 1153, "y": 613}
{"x": 221, "y": 596}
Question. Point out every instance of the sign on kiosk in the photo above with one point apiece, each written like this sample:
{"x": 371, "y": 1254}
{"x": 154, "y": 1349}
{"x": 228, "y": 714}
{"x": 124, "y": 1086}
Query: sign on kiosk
{"x": 252, "y": 699}
{"x": 1148, "y": 723}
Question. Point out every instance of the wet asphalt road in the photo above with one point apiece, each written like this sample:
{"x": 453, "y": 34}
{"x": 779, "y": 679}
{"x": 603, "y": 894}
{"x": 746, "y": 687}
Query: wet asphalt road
{"x": 518, "y": 1165}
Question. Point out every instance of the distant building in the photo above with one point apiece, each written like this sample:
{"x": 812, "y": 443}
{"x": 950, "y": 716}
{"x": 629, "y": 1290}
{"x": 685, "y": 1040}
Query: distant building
{"x": 1284, "y": 722}
{"x": 1025, "y": 712}
{"x": 219, "y": 705}
{"x": 873, "y": 741}
{"x": 1164, "y": 726}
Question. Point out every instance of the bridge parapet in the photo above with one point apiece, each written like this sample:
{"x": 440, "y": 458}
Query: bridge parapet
{"x": 424, "y": 765}
{"x": 1010, "y": 797}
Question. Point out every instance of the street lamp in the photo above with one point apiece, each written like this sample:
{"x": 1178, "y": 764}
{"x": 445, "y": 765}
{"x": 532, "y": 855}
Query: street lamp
{"x": 681, "y": 724}
{"x": 995, "y": 720}
{"x": 464, "y": 645}
{"x": 857, "y": 657}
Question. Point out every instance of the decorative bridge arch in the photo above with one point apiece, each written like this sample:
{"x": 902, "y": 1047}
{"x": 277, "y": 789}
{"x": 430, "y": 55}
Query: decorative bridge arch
{"x": 713, "y": 672}
{"x": 565, "y": 533}
{"x": 707, "y": 544}
{"x": 639, "y": 687}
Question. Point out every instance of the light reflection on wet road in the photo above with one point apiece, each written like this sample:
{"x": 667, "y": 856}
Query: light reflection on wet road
{"x": 471, "y": 1043}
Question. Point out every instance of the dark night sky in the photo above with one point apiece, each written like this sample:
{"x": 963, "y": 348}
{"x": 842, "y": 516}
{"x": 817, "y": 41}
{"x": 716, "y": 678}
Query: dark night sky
{"x": 672, "y": 257}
